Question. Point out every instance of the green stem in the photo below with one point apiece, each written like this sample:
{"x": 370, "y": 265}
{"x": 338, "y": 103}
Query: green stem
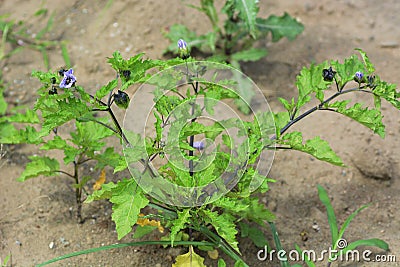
{"x": 132, "y": 244}
{"x": 220, "y": 243}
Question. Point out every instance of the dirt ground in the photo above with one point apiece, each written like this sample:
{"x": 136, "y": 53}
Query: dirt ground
{"x": 39, "y": 211}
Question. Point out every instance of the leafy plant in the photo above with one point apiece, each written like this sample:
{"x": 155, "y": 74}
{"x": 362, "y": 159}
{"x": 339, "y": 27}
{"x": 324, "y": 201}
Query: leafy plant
{"x": 234, "y": 41}
{"x": 203, "y": 197}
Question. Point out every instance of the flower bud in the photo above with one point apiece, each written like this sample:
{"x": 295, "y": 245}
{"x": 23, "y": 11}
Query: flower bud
{"x": 199, "y": 145}
{"x": 121, "y": 99}
{"x": 328, "y": 74}
{"x": 359, "y": 77}
{"x": 183, "y": 49}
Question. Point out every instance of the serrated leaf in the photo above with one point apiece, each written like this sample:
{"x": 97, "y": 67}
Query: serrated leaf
{"x": 104, "y": 193}
{"x": 189, "y": 259}
{"x": 316, "y": 147}
{"x": 128, "y": 200}
{"x": 310, "y": 80}
{"x": 179, "y": 223}
{"x": 257, "y": 212}
{"x": 225, "y": 227}
{"x": 370, "y": 67}
{"x": 30, "y": 116}
{"x": 39, "y": 166}
{"x": 106, "y": 89}
{"x": 252, "y": 54}
{"x": 284, "y": 26}
{"x": 371, "y": 118}
{"x": 388, "y": 92}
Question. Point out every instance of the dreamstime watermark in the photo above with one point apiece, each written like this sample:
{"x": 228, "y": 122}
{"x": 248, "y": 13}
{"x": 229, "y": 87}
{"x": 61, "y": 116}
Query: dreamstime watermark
{"x": 330, "y": 254}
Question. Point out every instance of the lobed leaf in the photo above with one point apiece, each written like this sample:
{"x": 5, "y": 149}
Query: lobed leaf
{"x": 128, "y": 199}
{"x": 224, "y": 225}
{"x": 179, "y": 223}
{"x": 283, "y": 26}
{"x": 39, "y": 166}
{"x": 316, "y": 147}
{"x": 371, "y": 118}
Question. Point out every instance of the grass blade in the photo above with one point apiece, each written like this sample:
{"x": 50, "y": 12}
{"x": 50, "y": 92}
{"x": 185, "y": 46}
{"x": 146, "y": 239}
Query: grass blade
{"x": 132, "y": 244}
{"x": 305, "y": 258}
{"x": 347, "y": 222}
{"x": 284, "y": 262}
{"x": 323, "y": 196}
{"x": 65, "y": 55}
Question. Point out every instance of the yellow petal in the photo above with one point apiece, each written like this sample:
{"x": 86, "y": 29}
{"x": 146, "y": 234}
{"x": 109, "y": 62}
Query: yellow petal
{"x": 99, "y": 182}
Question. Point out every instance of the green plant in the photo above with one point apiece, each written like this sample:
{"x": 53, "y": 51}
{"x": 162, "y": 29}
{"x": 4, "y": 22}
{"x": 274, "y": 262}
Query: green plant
{"x": 234, "y": 41}
{"x": 5, "y": 261}
{"x": 16, "y": 34}
{"x": 339, "y": 246}
{"x": 199, "y": 179}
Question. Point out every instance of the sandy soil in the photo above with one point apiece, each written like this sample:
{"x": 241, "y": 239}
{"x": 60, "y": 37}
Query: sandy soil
{"x": 39, "y": 211}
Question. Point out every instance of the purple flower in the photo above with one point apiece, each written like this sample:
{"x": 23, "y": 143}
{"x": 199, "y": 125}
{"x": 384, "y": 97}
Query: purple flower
{"x": 183, "y": 49}
{"x": 359, "y": 77}
{"x": 199, "y": 145}
{"x": 68, "y": 80}
{"x": 182, "y": 44}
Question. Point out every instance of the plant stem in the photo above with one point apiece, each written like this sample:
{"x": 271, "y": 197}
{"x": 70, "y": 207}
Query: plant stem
{"x": 319, "y": 107}
{"x": 78, "y": 192}
{"x": 217, "y": 240}
{"x": 66, "y": 173}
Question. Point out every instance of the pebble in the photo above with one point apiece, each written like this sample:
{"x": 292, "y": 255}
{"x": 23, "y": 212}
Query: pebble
{"x": 18, "y": 243}
{"x": 52, "y": 245}
{"x": 316, "y": 227}
{"x": 390, "y": 44}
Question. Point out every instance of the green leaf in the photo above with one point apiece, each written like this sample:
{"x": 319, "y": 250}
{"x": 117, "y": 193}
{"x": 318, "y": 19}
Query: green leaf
{"x": 107, "y": 158}
{"x": 323, "y": 196}
{"x": 65, "y": 54}
{"x": 388, "y": 92}
{"x": 284, "y": 26}
{"x": 373, "y": 242}
{"x": 105, "y": 192}
{"x": 224, "y": 225}
{"x": 39, "y": 166}
{"x": 221, "y": 263}
{"x": 30, "y": 116}
{"x": 347, "y": 222}
{"x": 370, "y": 67}
{"x": 248, "y": 10}
{"x": 252, "y": 54}
{"x": 179, "y": 223}
{"x": 316, "y": 147}
{"x": 141, "y": 231}
{"x": 255, "y": 234}
{"x": 128, "y": 199}
{"x": 371, "y": 118}
{"x": 106, "y": 89}
{"x": 257, "y": 212}
{"x": 306, "y": 258}
{"x": 310, "y": 80}
{"x": 189, "y": 259}
{"x": 3, "y": 103}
